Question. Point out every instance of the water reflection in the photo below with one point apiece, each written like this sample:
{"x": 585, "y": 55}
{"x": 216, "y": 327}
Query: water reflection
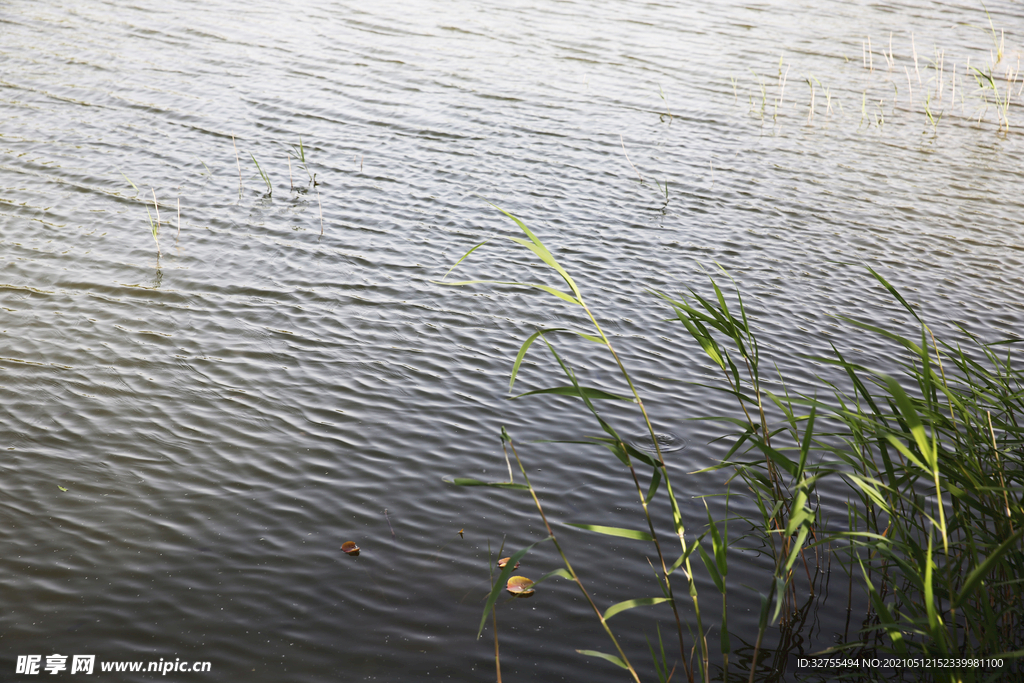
{"x": 291, "y": 380}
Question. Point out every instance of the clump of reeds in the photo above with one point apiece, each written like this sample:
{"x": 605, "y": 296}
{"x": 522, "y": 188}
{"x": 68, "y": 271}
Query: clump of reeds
{"x": 934, "y": 461}
{"x": 998, "y": 86}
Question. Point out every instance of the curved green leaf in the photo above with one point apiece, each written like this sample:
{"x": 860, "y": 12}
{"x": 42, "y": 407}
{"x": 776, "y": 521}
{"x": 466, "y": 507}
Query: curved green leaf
{"x": 560, "y": 572}
{"x": 979, "y": 572}
{"x": 611, "y": 658}
{"x": 884, "y": 614}
{"x": 718, "y": 546}
{"x": 655, "y": 481}
{"x": 929, "y": 595}
{"x": 906, "y": 452}
{"x": 522, "y": 352}
{"x": 503, "y": 577}
{"x": 910, "y": 416}
{"x": 466, "y": 255}
{"x": 712, "y": 568}
{"x": 538, "y": 248}
{"x": 640, "y": 455}
{"x": 590, "y": 337}
{"x": 533, "y": 337}
{"x": 892, "y": 290}
{"x": 615, "y": 531}
{"x": 630, "y": 604}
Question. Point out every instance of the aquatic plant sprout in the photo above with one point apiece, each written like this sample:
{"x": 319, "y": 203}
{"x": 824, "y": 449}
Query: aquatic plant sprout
{"x": 266, "y": 179}
{"x": 155, "y": 226}
{"x": 300, "y": 155}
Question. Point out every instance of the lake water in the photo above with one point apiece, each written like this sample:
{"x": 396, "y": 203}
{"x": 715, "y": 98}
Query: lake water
{"x": 190, "y": 438}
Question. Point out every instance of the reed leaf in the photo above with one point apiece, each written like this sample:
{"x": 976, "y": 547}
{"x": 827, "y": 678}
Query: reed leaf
{"x": 979, "y": 573}
{"x": 499, "y": 584}
{"x": 630, "y": 604}
{"x": 266, "y": 179}
{"x": 611, "y": 658}
{"x": 615, "y": 531}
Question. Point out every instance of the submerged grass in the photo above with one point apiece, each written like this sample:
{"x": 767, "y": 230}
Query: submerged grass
{"x": 933, "y": 462}
{"x": 998, "y": 86}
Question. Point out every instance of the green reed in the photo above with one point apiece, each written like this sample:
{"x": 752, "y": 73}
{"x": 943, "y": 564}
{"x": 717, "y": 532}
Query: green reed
{"x": 266, "y": 179}
{"x": 154, "y": 226}
{"x": 933, "y": 462}
{"x": 299, "y": 151}
{"x": 238, "y": 165}
{"x": 130, "y": 182}
{"x": 938, "y": 468}
{"x": 937, "y": 509}
{"x": 997, "y": 86}
{"x": 628, "y": 455}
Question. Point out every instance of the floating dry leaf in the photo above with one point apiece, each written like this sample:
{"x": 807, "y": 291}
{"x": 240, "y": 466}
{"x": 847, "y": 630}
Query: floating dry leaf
{"x": 350, "y": 548}
{"x": 503, "y": 561}
{"x": 520, "y": 586}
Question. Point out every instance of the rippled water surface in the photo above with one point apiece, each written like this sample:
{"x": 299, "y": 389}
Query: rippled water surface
{"x": 225, "y": 415}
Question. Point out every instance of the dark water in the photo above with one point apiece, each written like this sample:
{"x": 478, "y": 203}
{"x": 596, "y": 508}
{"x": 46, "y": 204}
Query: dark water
{"x": 225, "y": 416}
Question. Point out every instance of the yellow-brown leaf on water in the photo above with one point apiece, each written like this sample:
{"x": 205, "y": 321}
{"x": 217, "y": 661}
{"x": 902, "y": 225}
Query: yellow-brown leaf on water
{"x": 503, "y": 561}
{"x": 520, "y": 586}
{"x": 350, "y": 548}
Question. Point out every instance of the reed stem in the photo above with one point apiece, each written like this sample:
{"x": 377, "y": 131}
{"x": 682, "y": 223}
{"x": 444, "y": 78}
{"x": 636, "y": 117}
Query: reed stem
{"x": 568, "y": 565}
{"x": 237, "y": 164}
